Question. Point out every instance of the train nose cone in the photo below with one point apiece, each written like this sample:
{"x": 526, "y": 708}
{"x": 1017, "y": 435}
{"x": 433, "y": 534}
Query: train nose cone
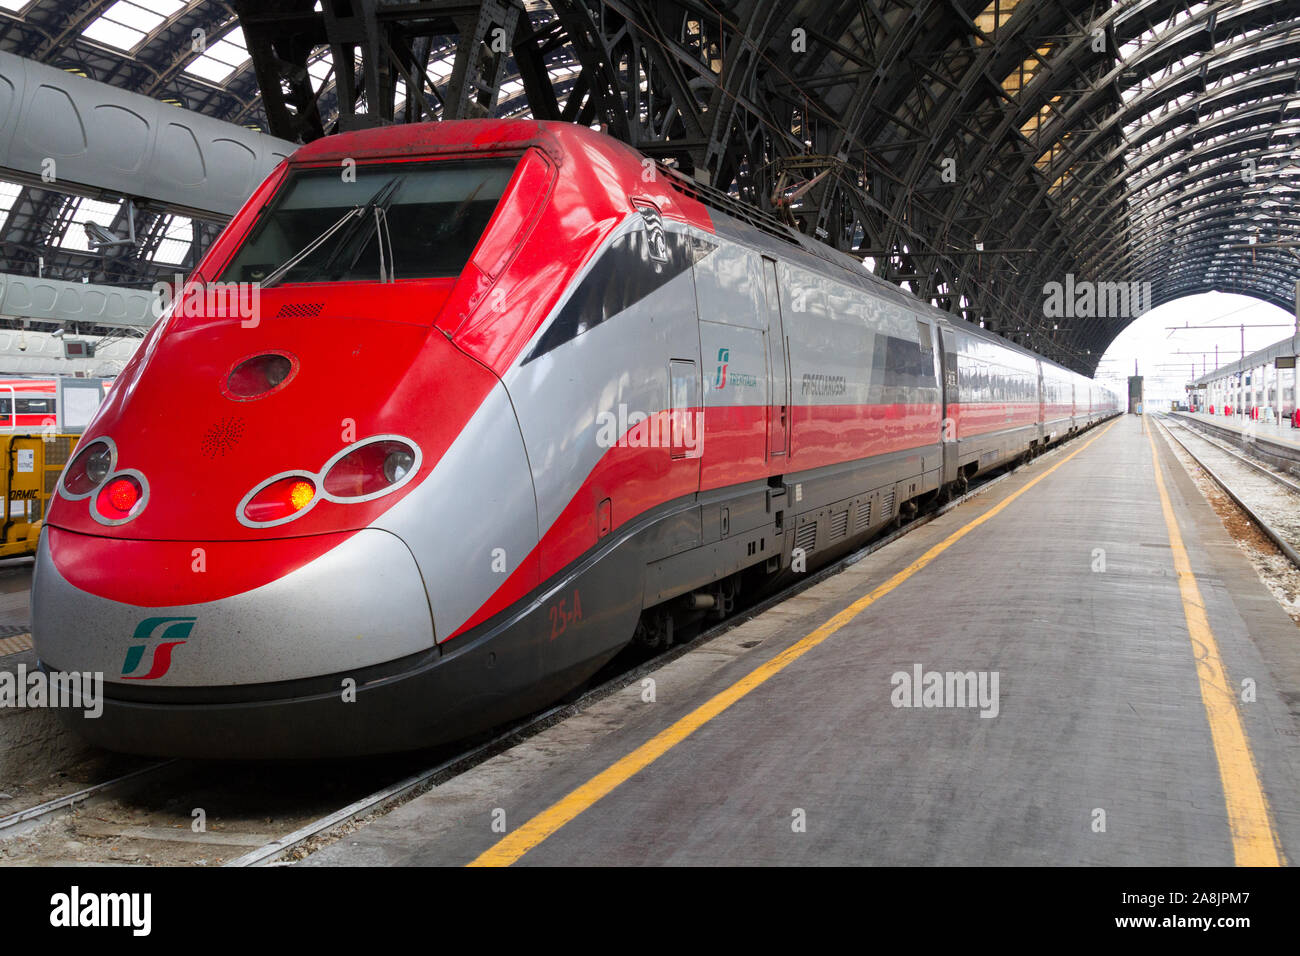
{"x": 331, "y": 616}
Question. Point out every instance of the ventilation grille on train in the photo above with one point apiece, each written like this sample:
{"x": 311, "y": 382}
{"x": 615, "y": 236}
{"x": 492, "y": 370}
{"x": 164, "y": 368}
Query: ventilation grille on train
{"x": 300, "y": 310}
{"x": 806, "y": 537}
{"x": 887, "y": 503}
{"x": 839, "y": 525}
{"x": 864, "y": 516}
{"x": 222, "y": 437}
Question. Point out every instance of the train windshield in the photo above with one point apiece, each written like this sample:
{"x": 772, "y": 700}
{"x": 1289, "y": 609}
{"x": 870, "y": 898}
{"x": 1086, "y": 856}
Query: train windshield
{"x": 372, "y": 222}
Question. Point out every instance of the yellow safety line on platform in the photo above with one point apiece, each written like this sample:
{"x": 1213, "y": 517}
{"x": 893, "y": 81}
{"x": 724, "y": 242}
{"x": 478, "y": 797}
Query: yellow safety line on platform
{"x": 513, "y": 846}
{"x": 1254, "y": 841}
{"x": 15, "y": 645}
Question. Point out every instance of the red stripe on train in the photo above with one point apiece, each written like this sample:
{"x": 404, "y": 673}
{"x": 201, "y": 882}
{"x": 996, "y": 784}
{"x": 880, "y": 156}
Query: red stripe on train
{"x": 734, "y": 450}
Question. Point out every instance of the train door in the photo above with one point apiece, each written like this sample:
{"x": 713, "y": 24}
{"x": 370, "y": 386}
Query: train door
{"x": 946, "y": 357}
{"x": 685, "y": 420}
{"x": 778, "y": 367}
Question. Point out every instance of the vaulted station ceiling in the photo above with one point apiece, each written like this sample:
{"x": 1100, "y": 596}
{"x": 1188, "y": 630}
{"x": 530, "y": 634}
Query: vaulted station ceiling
{"x": 973, "y": 152}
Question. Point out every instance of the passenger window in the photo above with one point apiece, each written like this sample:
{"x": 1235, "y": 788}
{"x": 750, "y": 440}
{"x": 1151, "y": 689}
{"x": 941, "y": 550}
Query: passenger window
{"x": 623, "y": 275}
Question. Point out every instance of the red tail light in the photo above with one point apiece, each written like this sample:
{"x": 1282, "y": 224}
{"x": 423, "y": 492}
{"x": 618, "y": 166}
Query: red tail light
{"x": 370, "y": 469}
{"x": 120, "y": 499}
{"x": 280, "y": 500}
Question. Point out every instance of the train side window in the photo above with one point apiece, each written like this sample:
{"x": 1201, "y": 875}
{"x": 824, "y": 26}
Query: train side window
{"x": 905, "y": 365}
{"x": 625, "y": 273}
{"x": 5, "y": 410}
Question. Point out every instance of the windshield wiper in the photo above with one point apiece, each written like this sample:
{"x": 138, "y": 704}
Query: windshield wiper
{"x": 357, "y": 237}
{"x": 308, "y": 249}
{"x": 355, "y": 215}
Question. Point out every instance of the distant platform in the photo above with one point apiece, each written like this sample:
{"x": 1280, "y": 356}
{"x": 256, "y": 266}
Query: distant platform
{"x": 1280, "y": 432}
{"x": 1108, "y": 627}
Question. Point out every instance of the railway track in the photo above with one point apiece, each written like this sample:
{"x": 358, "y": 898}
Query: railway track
{"x": 196, "y": 813}
{"x": 1260, "y": 447}
{"x": 1269, "y": 499}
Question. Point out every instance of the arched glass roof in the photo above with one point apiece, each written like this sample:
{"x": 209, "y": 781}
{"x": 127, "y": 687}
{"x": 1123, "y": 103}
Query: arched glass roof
{"x": 971, "y": 151}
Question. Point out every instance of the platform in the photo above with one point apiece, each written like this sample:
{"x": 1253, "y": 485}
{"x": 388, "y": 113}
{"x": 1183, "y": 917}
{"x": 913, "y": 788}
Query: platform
{"x": 1280, "y": 432}
{"x": 780, "y": 742}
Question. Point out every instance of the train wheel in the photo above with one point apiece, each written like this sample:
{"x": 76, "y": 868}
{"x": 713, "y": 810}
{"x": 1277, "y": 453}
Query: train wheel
{"x": 655, "y": 628}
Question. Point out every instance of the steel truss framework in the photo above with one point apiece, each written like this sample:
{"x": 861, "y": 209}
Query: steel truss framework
{"x": 976, "y": 152}
{"x": 973, "y": 152}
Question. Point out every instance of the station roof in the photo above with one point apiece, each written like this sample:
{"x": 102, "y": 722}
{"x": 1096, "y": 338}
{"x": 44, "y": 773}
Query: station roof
{"x": 975, "y": 150}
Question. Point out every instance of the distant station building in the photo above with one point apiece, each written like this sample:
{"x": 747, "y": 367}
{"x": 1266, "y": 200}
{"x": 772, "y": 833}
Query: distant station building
{"x": 1135, "y": 394}
{"x": 1261, "y": 386}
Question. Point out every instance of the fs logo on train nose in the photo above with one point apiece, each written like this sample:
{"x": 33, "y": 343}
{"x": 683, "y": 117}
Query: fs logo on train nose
{"x": 169, "y": 632}
{"x": 720, "y": 377}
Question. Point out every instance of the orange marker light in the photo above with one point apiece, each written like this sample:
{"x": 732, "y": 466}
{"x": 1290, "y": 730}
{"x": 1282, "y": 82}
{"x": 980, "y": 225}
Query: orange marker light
{"x": 281, "y": 499}
{"x": 301, "y": 494}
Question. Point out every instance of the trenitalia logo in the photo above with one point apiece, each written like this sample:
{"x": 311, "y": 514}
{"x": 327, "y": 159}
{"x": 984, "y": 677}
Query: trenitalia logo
{"x": 170, "y": 632}
{"x": 737, "y": 380}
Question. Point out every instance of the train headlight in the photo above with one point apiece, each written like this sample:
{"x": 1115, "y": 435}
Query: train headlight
{"x": 88, "y": 469}
{"x": 98, "y": 464}
{"x": 397, "y": 464}
{"x": 260, "y": 375}
{"x": 278, "y": 500}
{"x": 370, "y": 468}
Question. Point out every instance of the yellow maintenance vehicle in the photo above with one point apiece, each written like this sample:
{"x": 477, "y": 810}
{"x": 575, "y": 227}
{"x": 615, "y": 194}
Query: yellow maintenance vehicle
{"x": 29, "y": 469}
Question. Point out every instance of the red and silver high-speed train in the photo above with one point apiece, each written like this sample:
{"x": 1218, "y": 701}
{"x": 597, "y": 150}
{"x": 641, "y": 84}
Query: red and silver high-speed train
{"x": 509, "y": 399}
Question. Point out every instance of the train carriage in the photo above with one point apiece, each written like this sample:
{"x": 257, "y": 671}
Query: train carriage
{"x": 590, "y": 407}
